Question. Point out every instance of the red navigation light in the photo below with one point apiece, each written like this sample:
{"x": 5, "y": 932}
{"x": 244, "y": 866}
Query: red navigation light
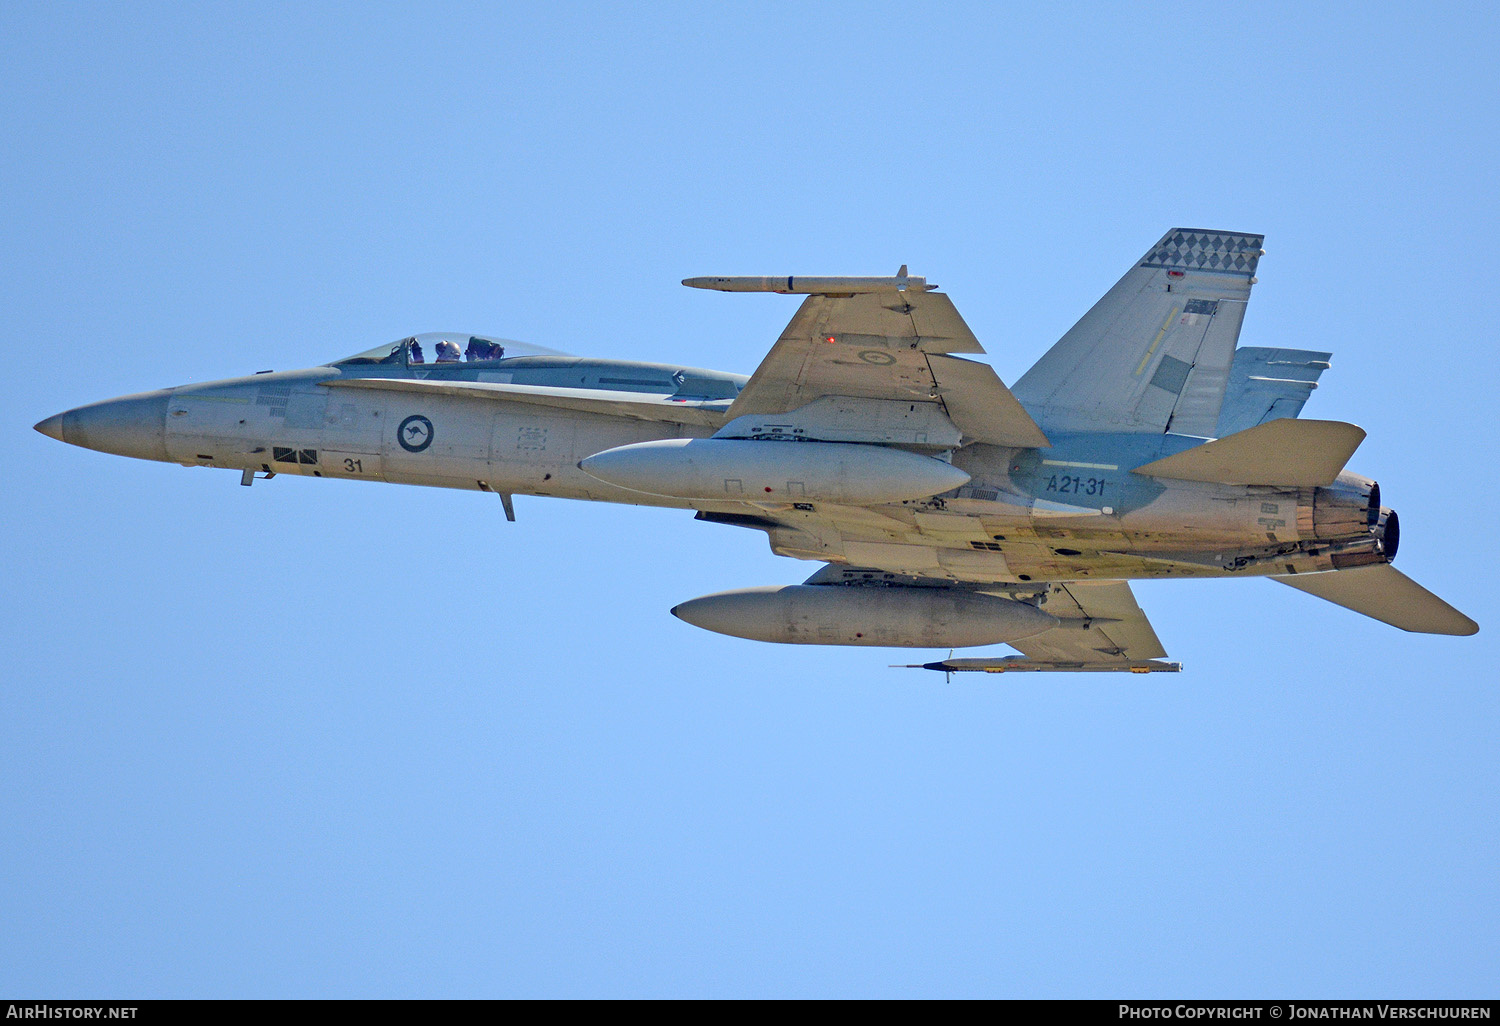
{"x": 830, "y": 338}
{"x": 1175, "y": 274}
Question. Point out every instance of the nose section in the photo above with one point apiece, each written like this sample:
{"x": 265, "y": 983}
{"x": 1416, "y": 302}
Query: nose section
{"x": 52, "y": 426}
{"x": 133, "y": 425}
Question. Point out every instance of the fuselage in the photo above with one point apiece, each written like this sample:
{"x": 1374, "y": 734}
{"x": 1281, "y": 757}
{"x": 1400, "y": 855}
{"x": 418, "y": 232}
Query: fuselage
{"x": 1073, "y": 511}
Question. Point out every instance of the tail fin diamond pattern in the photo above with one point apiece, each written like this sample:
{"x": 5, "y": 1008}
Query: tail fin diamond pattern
{"x": 1195, "y": 250}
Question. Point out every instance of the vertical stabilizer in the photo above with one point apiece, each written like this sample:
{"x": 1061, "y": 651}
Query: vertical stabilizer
{"x": 1154, "y": 354}
{"x": 1268, "y": 384}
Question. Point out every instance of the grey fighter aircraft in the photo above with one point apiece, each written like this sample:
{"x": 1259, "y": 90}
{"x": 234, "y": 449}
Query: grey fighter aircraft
{"x": 948, "y": 510}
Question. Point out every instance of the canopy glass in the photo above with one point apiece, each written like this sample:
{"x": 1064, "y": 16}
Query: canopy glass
{"x": 445, "y": 347}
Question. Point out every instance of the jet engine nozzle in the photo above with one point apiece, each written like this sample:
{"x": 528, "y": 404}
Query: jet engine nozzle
{"x": 1348, "y": 508}
{"x": 1388, "y": 531}
{"x": 1377, "y": 546}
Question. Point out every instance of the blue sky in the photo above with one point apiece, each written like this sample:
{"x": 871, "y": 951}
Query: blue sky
{"x": 323, "y": 738}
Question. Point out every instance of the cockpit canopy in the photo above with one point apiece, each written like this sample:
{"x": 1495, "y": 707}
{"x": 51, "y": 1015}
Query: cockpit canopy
{"x": 445, "y": 347}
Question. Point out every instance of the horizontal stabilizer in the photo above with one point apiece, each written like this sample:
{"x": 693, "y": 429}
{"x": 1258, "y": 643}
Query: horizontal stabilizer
{"x": 580, "y": 400}
{"x": 1386, "y": 594}
{"x": 1289, "y": 453}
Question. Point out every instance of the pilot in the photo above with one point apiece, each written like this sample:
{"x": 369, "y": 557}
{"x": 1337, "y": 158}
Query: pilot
{"x": 447, "y": 352}
{"x": 416, "y": 351}
{"x": 477, "y": 351}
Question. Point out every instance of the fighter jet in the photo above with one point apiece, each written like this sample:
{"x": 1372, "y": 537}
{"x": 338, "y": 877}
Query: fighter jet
{"x": 947, "y": 510}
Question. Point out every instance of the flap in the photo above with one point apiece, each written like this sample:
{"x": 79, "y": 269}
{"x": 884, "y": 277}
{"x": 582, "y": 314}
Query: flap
{"x": 981, "y": 406}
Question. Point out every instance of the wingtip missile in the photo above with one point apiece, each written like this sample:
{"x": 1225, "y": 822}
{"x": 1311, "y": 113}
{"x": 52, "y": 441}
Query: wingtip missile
{"x": 805, "y": 286}
{"x": 1020, "y": 664}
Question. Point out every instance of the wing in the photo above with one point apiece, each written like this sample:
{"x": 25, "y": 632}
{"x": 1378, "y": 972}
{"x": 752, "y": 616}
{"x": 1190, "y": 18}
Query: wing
{"x": 1114, "y": 629}
{"x": 1154, "y": 354}
{"x": 1103, "y": 630}
{"x": 887, "y": 345}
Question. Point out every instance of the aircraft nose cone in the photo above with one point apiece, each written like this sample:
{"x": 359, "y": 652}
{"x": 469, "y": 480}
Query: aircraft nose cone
{"x": 52, "y": 426}
{"x": 133, "y": 425}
